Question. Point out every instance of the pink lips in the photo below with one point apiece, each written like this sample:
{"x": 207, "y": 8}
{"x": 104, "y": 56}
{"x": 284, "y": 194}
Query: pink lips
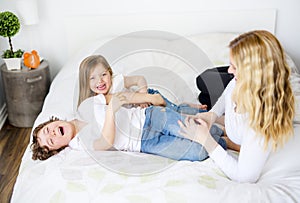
{"x": 101, "y": 87}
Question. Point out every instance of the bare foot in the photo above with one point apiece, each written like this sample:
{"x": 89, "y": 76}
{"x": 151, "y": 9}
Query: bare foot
{"x": 197, "y": 106}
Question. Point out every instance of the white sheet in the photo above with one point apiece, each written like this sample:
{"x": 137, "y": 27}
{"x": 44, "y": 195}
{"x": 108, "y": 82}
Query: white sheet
{"x": 75, "y": 176}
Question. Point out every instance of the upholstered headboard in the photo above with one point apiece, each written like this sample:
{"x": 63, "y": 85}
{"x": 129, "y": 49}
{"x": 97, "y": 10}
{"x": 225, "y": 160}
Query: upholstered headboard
{"x": 83, "y": 29}
{"x": 177, "y": 46}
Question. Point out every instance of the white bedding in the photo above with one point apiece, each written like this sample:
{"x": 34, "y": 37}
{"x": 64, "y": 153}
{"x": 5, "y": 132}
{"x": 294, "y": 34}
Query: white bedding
{"x": 110, "y": 176}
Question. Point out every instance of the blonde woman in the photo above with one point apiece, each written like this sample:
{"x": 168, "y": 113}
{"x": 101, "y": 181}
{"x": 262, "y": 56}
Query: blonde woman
{"x": 258, "y": 105}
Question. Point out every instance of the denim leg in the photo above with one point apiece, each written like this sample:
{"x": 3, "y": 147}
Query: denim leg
{"x": 217, "y": 134}
{"x": 216, "y": 130}
{"x": 161, "y": 136}
{"x": 169, "y": 104}
{"x": 186, "y": 109}
{"x": 182, "y": 108}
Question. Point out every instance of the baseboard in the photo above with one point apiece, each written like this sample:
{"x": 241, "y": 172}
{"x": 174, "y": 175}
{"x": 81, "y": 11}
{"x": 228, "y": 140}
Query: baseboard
{"x": 3, "y": 115}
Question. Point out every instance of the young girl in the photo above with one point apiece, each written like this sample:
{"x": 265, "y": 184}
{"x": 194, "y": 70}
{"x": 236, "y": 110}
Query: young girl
{"x": 259, "y": 107}
{"x": 96, "y": 77}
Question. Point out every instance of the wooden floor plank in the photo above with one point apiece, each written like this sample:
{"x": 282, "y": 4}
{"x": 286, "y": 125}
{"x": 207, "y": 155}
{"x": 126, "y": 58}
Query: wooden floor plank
{"x": 3, "y": 142}
{"x": 13, "y": 142}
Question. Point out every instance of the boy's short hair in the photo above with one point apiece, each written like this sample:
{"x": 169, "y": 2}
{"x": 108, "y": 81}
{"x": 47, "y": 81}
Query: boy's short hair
{"x": 42, "y": 152}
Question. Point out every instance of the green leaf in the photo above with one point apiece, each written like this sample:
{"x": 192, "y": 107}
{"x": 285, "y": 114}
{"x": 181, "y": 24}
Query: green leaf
{"x": 58, "y": 197}
{"x": 172, "y": 183}
{"x": 8, "y": 54}
{"x": 111, "y": 188}
{"x": 138, "y": 199}
{"x": 9, "y": 26}
{"x": 207, "y": 181}
{"x": 76, "y": 187}
{"x": 95, "y": 174}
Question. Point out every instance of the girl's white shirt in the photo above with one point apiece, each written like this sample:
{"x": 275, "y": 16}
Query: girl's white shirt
{"x": 252, "y": 157}
{"x": 129, "y": 125}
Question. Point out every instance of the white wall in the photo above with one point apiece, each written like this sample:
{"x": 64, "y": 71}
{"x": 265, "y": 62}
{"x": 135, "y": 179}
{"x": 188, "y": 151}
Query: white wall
{"x": 49, "y": 39}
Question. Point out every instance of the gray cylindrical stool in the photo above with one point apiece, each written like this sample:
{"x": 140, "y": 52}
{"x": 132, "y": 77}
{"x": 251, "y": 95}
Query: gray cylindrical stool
{"x": 25, "y": 91}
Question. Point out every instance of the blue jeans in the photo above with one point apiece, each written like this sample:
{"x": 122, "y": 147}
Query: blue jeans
{"x": 181, "y": 108}
{"x": 161, "y": 136}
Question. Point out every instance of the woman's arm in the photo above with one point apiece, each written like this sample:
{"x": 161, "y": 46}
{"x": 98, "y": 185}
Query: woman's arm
{"x": 136, "y": 80}
{"x": 252, "y": 156}
{"x": 107, "y": 137}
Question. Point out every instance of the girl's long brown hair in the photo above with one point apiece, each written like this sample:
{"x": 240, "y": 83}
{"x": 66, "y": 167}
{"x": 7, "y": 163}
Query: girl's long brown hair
{"x": 85, "y": 69}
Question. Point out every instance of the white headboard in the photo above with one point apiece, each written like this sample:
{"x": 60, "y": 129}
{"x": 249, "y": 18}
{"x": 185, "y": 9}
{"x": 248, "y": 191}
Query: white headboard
{"x": 169, "y": 61}
{"x": 84, "y": 29}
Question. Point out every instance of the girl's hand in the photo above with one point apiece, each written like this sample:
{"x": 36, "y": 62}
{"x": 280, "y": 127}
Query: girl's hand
{"x": 144, "y": 105}
{"x": 197, "y": 130}
{"x": 142, "y": 90}
{"x": 117, "y": 101}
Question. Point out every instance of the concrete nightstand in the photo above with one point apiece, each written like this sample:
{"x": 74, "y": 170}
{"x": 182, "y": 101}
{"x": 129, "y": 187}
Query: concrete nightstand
{"x": 25, "y": 91}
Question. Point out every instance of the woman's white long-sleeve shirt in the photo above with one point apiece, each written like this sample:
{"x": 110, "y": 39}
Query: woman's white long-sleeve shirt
{"x": 252, "y": 157}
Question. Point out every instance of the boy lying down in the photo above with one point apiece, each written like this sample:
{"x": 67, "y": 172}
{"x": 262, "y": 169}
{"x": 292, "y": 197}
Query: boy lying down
{"x": 153, "y": 130}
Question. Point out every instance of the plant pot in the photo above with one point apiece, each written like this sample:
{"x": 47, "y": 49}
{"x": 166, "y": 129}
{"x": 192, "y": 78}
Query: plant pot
{"x": 13, "y": 63}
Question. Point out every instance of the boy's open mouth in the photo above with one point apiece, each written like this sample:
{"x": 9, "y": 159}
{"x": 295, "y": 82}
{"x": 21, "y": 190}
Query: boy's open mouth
{"x": 61, "y": 130}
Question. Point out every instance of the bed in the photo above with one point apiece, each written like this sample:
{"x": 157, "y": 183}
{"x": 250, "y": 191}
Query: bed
{"x": 170, "y": 62}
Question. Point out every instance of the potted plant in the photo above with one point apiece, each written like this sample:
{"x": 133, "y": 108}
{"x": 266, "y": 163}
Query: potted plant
{"x": 9, "y": 26}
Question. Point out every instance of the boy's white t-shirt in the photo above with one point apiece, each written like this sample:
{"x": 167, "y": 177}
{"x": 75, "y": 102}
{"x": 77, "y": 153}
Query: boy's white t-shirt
{"x": 129, "y": 125}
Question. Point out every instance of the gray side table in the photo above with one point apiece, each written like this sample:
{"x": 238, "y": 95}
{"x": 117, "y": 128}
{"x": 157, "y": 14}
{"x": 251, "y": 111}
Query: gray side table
{"x": 25, "y": 91}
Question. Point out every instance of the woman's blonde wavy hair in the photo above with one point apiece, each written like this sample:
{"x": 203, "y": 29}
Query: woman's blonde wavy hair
{"x": 263, "y": 90}
{"x": 85, "y": 69}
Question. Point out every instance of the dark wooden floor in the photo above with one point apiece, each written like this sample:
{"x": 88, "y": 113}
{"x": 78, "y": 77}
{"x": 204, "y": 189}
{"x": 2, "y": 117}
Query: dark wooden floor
{"x": 13, "y": 142}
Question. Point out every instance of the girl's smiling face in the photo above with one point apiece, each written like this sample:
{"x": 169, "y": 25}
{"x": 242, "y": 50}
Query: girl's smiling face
{"x": 56, "y": 134}
{"x": 100, "y": 80}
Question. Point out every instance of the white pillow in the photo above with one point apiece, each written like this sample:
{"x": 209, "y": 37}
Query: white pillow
{"x": 297, "y": 103}
{"x": 165, "y": 72}
{"x": 295, "y": 82}
{"x": 215, "y": 45}
{"x": 170, "y": 63}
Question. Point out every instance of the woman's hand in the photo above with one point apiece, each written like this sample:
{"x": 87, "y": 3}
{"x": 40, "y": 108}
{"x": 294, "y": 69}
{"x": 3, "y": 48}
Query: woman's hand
{"x": 208, "y": 117}
{"x": 197, "y": 130}
{"x": 194, "y": 130}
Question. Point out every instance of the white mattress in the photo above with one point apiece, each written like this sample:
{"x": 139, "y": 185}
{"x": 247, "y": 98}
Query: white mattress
{"x": 112, "y": 176}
